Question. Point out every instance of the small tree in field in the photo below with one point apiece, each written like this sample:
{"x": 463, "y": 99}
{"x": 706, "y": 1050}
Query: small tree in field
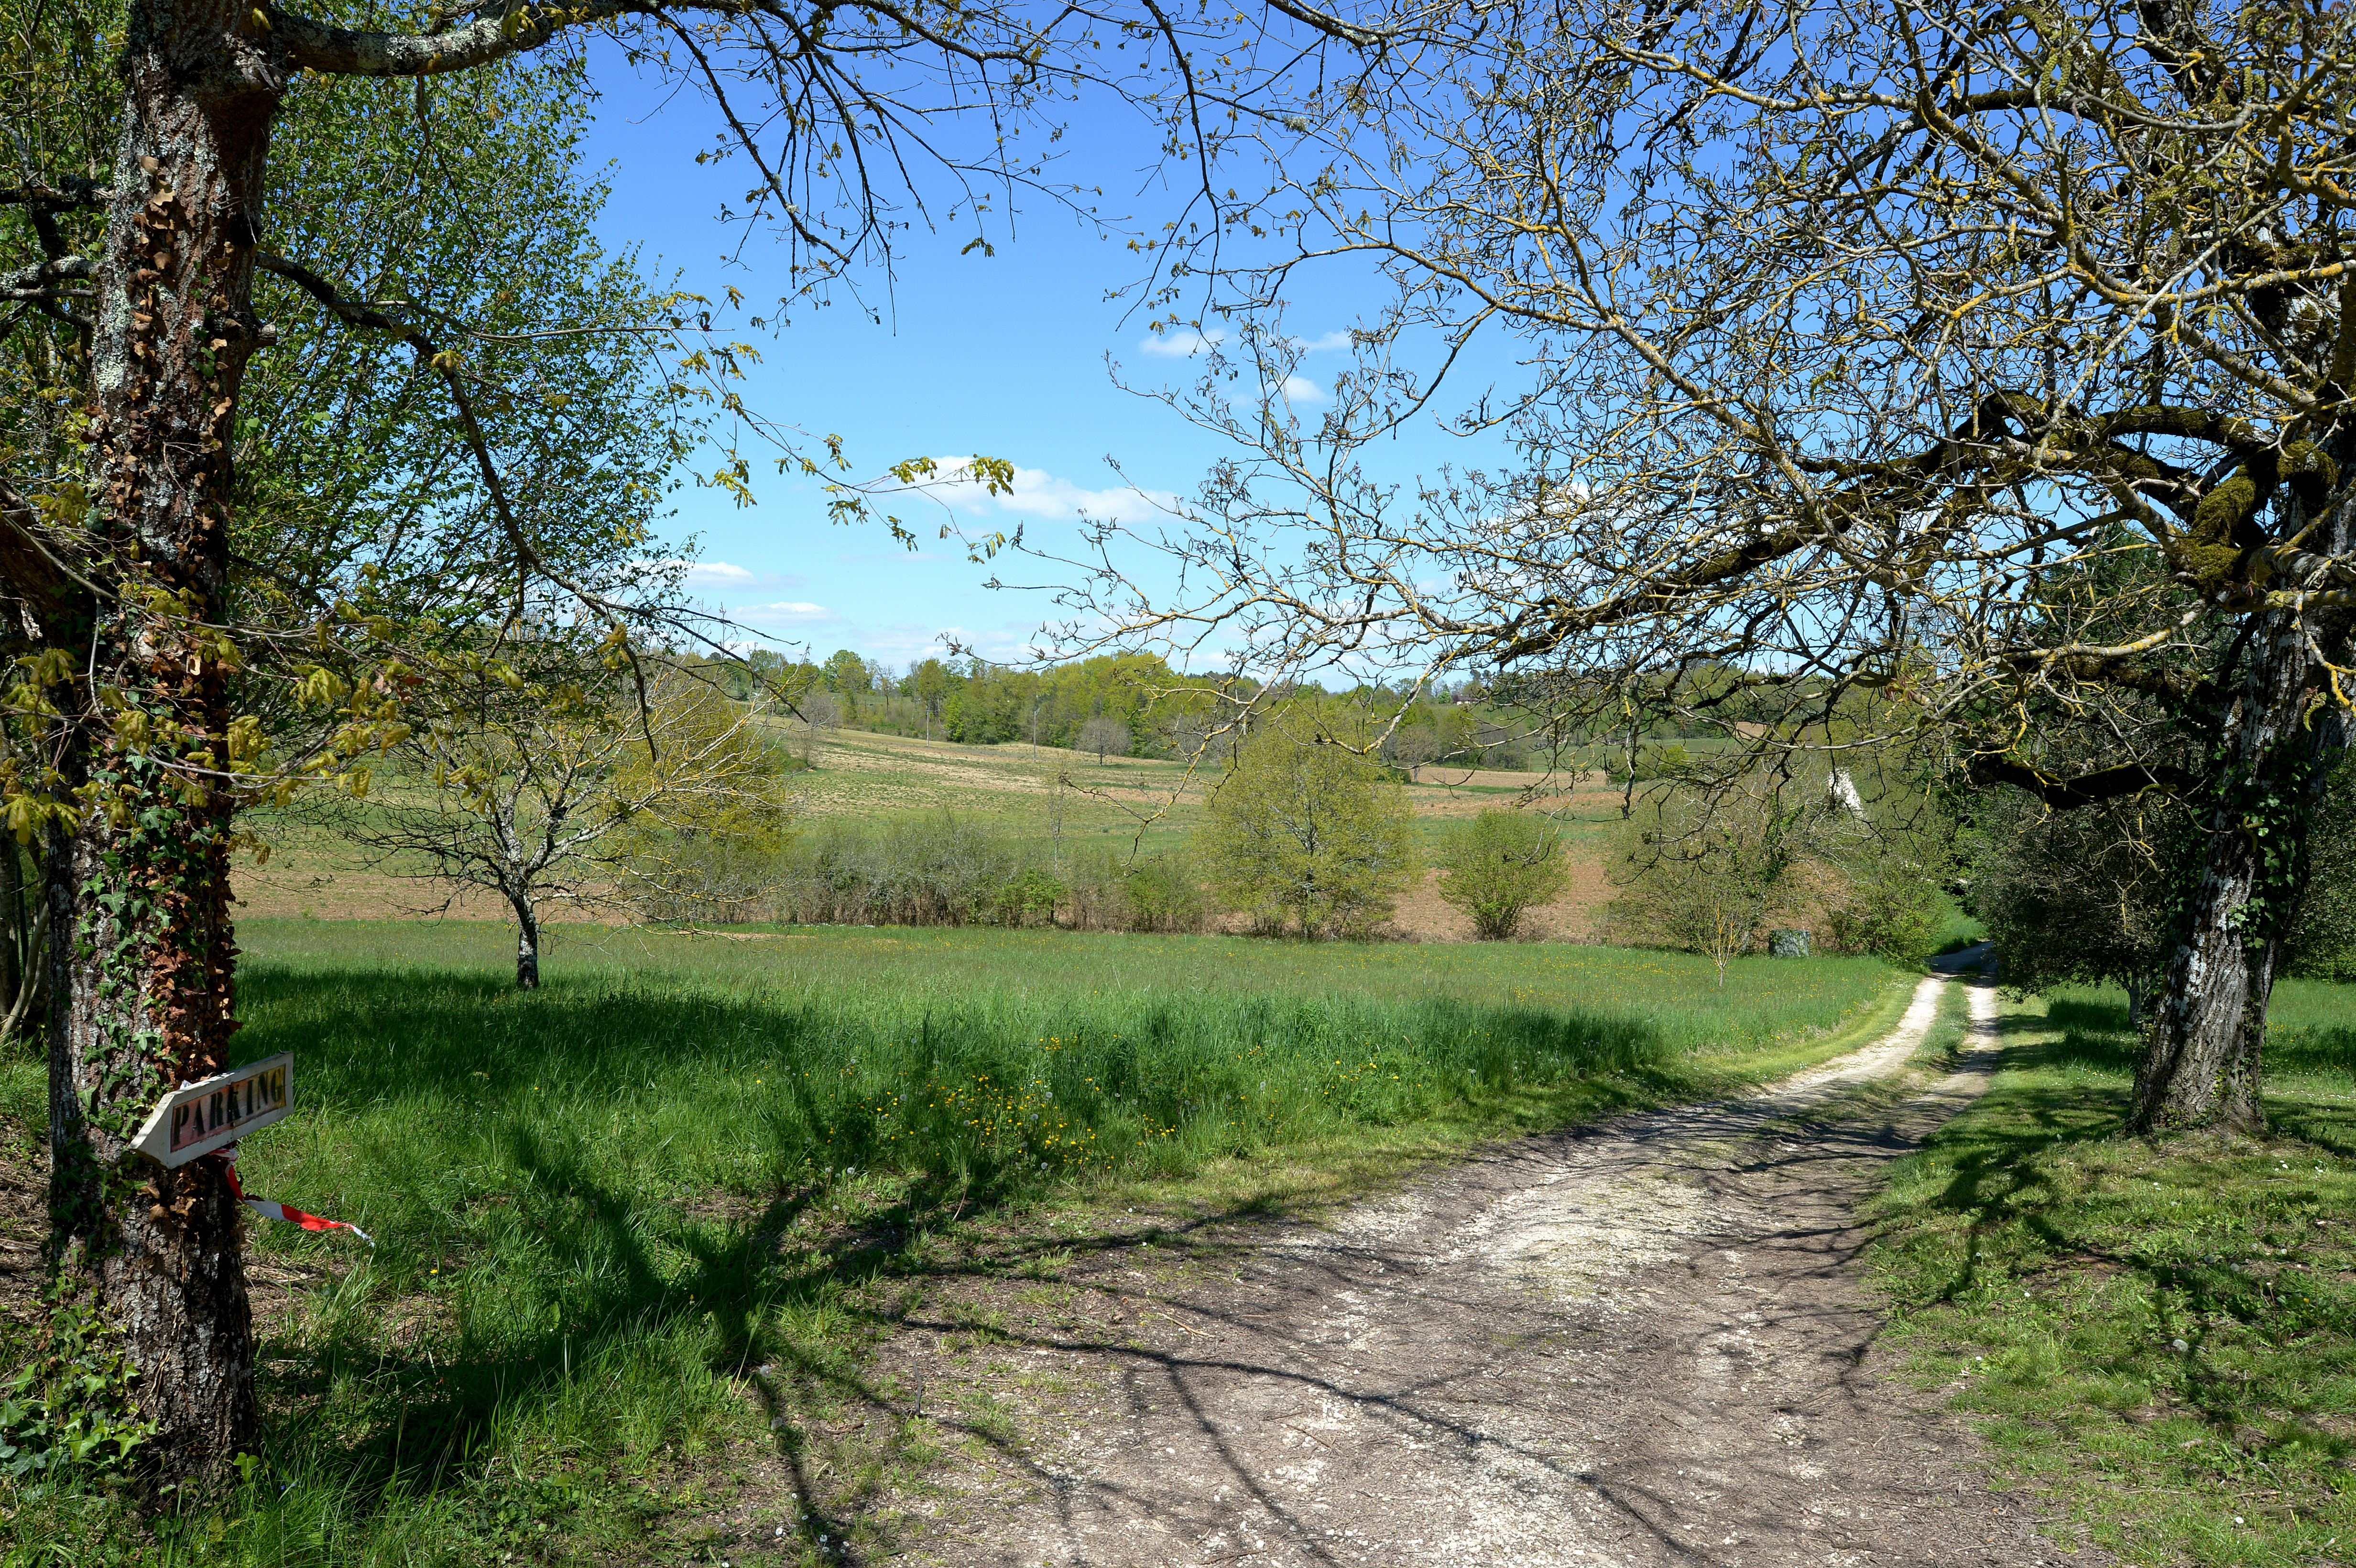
{"x": 1498, "y": 865}
{"x": 818, "y": 713}
{"x": 1105, "y": 735}
{"x": 1704, "y": 876}
{"x": 564, "y": 797}
{"x": 1306, "y": 832}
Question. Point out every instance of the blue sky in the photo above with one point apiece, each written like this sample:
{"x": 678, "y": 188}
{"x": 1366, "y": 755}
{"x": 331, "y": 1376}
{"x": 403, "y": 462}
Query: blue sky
{"x": 1004, "y": 355}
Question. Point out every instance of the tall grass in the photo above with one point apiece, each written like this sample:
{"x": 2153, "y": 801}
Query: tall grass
{"x": 600, "y": 1205}
{"x": 982, "y": 1058}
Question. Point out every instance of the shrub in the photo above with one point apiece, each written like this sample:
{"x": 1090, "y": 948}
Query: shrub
{"x": 1030, "y": 896}
{"x": 1891, "y": 909}
{"x": 720, "y": 878}
{"x": 1894, "y": 856}
{"x": 1163, "y": 895}
{"x": 1498, "y": 865}
{"x": 944, "y": 870}
{"x": 1306, "y": 833}
{"x": 1153, "y": 892}
{"x": 928, "y": 871}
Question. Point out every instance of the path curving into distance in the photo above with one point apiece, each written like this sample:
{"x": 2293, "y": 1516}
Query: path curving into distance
{"x": 1639, "y": 1343}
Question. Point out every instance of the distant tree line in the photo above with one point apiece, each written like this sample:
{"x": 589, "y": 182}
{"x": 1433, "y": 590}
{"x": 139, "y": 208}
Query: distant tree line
{"x": 1135, "y": 704}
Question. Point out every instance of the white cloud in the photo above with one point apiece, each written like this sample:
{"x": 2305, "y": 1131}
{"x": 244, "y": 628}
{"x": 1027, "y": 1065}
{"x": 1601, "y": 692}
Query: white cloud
{"x": 723, "y": 576}
{"x": 1302, "y": 389}
{"x": 1039, "y": 494}
{"x": 781, "y": 612}
{"x": 1182, "y": 345}
{"x": 720, "y": 574}
{"x": 900, "y": 643}
{"x": 1325, "y": 345}
{"x": 905, "y": 642}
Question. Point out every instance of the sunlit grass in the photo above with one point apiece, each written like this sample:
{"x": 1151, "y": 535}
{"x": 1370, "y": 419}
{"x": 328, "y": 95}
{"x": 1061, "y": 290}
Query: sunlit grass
{"x": 2163, "y": 1334}
{"x": 990, "y": 1059}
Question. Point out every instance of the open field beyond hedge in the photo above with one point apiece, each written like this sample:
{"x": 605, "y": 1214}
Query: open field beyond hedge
{"x": 1011, "y": 788}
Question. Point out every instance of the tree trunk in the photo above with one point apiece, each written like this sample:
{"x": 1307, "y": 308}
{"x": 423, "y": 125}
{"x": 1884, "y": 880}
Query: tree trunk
{"x": 16, "y": 906}
{"x": 527, "y": 941}
{"x": 2137, "y": 984}
{"x": 138, "y": 889}
{"x": 29, "y": 950}
{"x": 2201, "y": 1056}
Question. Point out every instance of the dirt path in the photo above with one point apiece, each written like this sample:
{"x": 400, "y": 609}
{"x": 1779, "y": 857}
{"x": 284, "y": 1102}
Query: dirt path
{"x": 1639, "y": 1344}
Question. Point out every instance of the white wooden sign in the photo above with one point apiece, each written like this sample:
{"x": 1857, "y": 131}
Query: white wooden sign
{"x": 217, "y": 1111}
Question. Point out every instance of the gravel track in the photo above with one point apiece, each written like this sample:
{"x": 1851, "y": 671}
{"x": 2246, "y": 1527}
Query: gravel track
{"x": 1639, "y": 1343}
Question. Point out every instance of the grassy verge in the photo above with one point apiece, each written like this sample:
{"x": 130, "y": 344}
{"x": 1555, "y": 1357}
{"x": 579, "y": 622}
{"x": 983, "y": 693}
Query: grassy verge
{"x": 638, "y": 1231}
{"x": 2162, "y": 1336}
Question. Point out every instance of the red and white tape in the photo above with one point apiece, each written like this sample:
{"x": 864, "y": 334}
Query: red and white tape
{"x": 271, "y": 1211}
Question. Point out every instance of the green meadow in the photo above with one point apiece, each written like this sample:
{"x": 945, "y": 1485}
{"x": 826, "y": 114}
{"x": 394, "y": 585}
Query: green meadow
{"x": 596, "y": 1207}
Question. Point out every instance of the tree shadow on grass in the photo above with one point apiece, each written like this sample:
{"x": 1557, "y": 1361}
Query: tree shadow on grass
{"x": 1990, "y": 1182}
{"x": 2050, "y": 1187}
{"x": 502, "y": 1132}
{"x": 655, "y": 1305}
{"x": 2299, "y": 1058}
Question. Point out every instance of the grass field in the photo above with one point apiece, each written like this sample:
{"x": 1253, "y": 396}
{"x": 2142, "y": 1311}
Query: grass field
{"x": 2159, "y": 1335}
{"x": 600, "y": 1207}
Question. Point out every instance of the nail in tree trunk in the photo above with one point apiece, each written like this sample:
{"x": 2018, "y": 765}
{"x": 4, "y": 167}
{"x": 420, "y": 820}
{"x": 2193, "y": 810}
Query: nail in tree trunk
{"x": 139, "y": 893}
{"x": 2203, "y": 1051}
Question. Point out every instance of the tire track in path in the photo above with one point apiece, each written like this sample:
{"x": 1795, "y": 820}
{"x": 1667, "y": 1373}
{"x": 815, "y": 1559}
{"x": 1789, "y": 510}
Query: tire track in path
{"x": 1640, "y": 1343}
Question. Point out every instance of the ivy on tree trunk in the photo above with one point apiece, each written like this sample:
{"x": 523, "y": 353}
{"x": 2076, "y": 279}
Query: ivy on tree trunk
{"x": 140, "y": 926}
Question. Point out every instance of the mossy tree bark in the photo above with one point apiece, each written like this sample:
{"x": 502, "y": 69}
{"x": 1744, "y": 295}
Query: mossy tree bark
{"x": 140, "y": 924}
{"x": 2277, "y": 738}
